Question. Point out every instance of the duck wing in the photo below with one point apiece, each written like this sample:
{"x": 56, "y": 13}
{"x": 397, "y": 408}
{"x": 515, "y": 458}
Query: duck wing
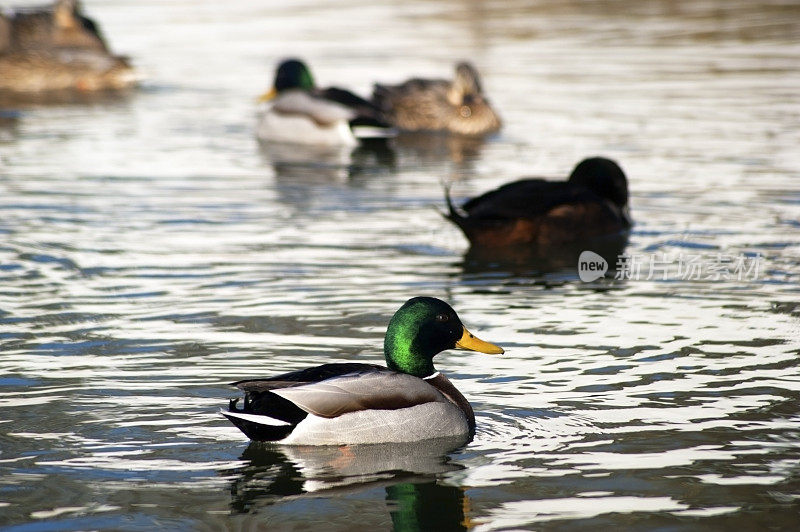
{"x": 369, "y": 120}
{"x": 322, "y": 111}
{"x": 265, "y": 415}
{"x": 274, "y": 406}
{"x": 362, "y": 107}
{"x": 416, "y": 105}
{"x": 386, "y": 97}
{"x": 370, "y": 390}
{"x": 526, "y": 198}
{"x": 305, "y": 376}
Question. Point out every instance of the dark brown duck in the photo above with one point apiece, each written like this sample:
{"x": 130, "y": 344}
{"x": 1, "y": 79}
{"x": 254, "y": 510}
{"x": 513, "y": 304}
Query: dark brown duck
{"x": 593, "y": 202}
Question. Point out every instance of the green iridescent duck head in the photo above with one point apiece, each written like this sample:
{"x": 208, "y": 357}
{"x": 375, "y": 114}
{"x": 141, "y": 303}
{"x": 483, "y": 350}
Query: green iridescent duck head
{"x": 291, "y": 74}
{"x": 422, "y": 328}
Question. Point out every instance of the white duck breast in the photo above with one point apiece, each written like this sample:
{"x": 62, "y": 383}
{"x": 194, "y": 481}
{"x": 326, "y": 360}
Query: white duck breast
{"x": 301, "y": 118}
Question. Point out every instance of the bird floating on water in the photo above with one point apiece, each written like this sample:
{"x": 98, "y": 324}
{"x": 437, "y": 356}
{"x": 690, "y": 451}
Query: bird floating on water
{"x": 57, "y": 49}
{"x": 300, "y": 113}
{"x": 356, "y": 403}
{"x": 593, "y": 202}
{"x": 456, "y": 106}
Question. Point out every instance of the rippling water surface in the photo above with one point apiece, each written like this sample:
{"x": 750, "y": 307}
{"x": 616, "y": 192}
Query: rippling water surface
{"x": 151, "y": 252}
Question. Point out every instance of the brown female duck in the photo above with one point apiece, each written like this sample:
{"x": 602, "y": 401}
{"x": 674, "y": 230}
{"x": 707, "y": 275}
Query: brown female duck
{"x": 458, "y": 106}
{"x": 57, "y": 49}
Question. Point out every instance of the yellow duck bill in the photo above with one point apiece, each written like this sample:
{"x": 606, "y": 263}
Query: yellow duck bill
{"x": 268, "y": 96}
{"x": 471, "y": 342}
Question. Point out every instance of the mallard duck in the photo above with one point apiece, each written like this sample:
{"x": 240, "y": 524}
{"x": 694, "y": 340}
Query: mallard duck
{"x": 301, "y": 113}
{"x": 57, "y": 49}
{"x": 591, "y": 203}
{"x": 354, "y": 403}
{"x": 458, "y": 106}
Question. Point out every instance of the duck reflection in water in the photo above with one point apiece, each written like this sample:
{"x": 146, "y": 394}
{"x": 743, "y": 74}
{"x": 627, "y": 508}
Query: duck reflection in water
{"x": 557, "y": 263}
{"x": 418, "y": 506}
{"x": 300, "y": 163}
{"x": 543, "y": 226}
{"x": 409, "y": 473}
{"x": 431, "y": 147}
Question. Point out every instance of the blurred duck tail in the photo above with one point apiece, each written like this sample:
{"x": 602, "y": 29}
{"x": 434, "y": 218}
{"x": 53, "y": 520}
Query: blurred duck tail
{"x": 452, "y": 212}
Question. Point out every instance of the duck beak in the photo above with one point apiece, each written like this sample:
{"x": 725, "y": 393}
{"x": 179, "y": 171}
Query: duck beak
{"x": 471, "y": 342}
{"x": 269, "y": 95}
{"x": 626, "y": 216}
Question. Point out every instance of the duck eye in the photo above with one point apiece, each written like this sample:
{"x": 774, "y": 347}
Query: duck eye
{"x": 442, "y": 317}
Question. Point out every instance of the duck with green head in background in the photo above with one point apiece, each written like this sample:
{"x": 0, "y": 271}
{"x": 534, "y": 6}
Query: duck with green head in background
{"x": 355, "y": 403}
{"x": 300, "y": 113}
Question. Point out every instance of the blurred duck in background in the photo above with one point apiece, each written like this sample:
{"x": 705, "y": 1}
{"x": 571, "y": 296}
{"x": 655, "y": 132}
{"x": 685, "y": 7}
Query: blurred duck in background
{"x": 57, "y": 49}
{"x": 458, "y": 106}
{"x": 592, "y": 203}
{"x": 300, "y": 113}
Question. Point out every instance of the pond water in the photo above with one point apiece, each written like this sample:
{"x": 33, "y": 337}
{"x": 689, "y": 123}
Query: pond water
{"x": 151, "y": 252}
